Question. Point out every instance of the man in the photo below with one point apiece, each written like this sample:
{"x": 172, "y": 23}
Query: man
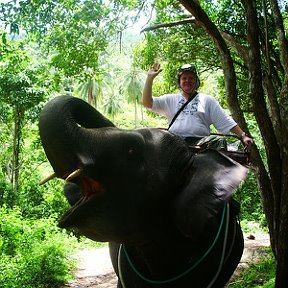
{"x": 193, "y": 122}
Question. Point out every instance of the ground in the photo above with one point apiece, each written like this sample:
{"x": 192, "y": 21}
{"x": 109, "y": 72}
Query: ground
{"x": 95, "y": 269}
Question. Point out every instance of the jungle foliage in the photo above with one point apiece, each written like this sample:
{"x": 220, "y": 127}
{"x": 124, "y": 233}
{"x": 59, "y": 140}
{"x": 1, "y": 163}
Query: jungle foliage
{"x": 260, "y": 273}
{"x": 34, "y": 253}
{"x": 83, "y": 48}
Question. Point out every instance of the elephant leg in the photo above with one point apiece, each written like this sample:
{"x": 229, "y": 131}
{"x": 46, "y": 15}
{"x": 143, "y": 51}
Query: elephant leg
{"x": 114, "y": 252}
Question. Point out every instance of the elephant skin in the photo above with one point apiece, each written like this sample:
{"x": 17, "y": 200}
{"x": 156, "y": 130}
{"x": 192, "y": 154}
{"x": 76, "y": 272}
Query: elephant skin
{"x": 158, "y": 204}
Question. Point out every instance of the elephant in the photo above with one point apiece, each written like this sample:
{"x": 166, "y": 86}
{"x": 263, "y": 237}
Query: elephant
{"x": 166, "y": 211}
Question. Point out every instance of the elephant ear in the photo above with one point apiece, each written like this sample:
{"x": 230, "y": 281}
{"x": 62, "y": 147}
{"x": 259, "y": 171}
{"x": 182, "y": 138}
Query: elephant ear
{"x": 213, "y": 179}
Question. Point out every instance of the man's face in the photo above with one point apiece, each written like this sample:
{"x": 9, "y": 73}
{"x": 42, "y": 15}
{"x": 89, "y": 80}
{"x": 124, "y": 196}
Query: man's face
{"x": 188, "y": 81}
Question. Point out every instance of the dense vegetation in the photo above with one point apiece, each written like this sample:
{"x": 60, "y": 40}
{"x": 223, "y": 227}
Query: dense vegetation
{"x": 260, "y": 274}
{"x": 34, "y": 253}
{"x": 49, "y": 48}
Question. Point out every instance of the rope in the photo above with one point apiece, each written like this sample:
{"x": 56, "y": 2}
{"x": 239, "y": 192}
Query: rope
{"x": 189, "y": 269}
{"x": 223, "y": 249}
{"x": 119, "y": 267}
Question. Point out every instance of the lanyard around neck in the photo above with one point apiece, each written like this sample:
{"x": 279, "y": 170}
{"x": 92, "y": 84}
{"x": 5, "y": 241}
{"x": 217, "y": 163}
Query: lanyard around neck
{"x": 192, "y": 96}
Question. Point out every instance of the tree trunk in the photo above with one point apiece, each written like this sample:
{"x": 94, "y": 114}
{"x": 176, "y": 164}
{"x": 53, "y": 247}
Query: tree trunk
{"x": 282, "y": 247}
{"x": 272, "y": 122}
{"x": 91, "y": 99}
{"x": 16, "y": 153}
{"x": 135, "y": 113}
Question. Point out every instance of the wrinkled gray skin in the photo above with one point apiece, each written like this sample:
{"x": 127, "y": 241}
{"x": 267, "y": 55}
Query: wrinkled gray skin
{"x": 143, "y": 188}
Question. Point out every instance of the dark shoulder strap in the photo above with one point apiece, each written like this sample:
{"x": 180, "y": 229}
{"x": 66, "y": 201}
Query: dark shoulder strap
{"x": 181, "y": 108}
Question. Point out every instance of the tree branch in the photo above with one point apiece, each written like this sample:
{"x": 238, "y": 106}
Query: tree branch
{"x": 171, "y": 24}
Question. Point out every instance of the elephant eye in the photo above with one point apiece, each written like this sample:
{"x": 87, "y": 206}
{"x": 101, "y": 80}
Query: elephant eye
{"x": 133, "y": 145}
{"x": 131, "y": 151}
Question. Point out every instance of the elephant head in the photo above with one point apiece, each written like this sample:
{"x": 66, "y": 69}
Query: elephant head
{"x": 125, "y": 175}
{"x": 134, "y": 186}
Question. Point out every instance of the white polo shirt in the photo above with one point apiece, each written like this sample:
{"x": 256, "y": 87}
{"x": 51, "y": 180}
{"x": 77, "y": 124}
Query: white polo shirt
{"x": 197, "y": 116}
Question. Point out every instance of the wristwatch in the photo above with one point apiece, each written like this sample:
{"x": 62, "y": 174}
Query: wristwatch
{"x": 243, "y": 134}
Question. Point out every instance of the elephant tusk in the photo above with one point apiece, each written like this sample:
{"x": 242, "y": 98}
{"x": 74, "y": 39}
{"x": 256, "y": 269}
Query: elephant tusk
{"x": 74, "y": 174}
{"x": 52, "y": 176}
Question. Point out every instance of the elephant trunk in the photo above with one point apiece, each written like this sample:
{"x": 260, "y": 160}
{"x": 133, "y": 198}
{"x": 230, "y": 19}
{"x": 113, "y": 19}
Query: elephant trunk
{"x": 65, "y": 122}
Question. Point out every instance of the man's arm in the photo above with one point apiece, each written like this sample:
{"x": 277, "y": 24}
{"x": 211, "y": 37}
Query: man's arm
{"x": 246, "y": 139}
{"x": 147, "y": 99}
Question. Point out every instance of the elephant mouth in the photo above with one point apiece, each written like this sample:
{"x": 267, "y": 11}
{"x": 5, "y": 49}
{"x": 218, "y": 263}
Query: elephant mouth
{"x": 89, "y": 186}
{"x": 82, "y": 190}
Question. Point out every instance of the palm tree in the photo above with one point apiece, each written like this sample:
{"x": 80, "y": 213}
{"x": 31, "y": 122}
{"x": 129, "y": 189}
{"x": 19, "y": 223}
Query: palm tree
{"x": 112, "y": 105}
{"x": 132, "y": 83}
{"x": 91, "y": 89}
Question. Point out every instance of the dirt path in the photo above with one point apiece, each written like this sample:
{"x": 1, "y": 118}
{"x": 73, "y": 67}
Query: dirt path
{"x": 95, "y": 269}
